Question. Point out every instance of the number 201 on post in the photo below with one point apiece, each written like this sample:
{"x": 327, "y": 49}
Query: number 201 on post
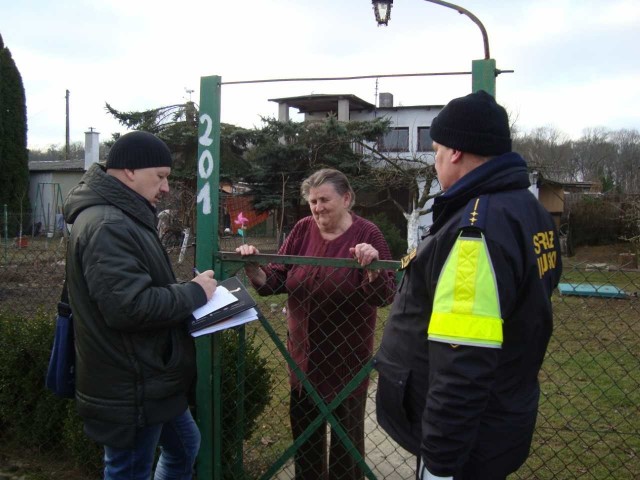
{"x": 205, "y": 164}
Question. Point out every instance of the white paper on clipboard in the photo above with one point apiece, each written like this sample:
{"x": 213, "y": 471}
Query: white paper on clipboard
{"x": 239, "y": 319}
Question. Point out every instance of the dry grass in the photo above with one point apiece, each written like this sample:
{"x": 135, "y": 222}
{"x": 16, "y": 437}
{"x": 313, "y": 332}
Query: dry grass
{"x": 589, "y": 421}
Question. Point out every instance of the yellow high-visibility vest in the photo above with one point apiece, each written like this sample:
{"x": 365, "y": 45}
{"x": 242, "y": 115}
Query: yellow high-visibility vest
{"x": 466, "y": 307}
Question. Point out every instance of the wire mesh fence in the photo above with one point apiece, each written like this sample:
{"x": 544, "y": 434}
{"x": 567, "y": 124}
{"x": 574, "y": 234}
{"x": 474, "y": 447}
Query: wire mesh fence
{"x": 589, "y": 419}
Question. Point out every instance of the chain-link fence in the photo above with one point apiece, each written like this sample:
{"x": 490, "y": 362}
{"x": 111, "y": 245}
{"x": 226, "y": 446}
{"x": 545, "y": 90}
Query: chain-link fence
{"x": 589, "y": 420}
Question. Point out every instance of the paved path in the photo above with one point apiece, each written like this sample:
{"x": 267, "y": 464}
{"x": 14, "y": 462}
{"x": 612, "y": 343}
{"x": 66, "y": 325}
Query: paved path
{"x": 385, "y": 458}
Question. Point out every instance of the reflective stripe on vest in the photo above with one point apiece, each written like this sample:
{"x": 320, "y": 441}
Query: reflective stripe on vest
{"x": 466, "y": 308}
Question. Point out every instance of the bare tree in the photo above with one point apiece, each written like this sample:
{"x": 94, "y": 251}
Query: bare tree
{"x": 626, "y": 168}
{"x": 416, "y": 175}
{"x": 548, "y": 151}
{"x": 595, "y": 157}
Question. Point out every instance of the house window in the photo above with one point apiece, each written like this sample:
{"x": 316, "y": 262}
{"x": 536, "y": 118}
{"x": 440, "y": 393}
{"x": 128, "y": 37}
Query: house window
{"x": 425, "y": 144}
{"x": 395, "y": 140}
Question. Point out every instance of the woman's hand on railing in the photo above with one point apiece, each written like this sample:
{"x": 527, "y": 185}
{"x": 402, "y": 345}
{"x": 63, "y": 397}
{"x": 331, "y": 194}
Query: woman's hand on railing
{"x": 255, "y": 274}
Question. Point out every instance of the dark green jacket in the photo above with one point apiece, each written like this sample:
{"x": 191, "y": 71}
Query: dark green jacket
{"x": 135, "y": 360}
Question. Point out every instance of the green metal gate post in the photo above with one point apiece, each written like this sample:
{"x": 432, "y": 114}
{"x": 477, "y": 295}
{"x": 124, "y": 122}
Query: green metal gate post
{"x": 483, "y": 76}
{"x": 208, "y": 414}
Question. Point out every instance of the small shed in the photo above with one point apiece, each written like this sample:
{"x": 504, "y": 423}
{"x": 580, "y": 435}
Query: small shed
{"x": 50, "y": 183}
{"x": 550, "y": 194}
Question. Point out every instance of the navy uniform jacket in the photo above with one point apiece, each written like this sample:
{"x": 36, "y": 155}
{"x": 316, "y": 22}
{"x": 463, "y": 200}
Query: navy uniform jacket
{"x": 468, "y": 405}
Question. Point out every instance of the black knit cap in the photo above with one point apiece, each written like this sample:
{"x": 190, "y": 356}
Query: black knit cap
{"x": 473, "y": 124}
{"x": 136, "y": 150}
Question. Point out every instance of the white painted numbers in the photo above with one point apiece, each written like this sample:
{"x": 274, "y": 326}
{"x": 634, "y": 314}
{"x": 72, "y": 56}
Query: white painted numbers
{"x": 544, "y": 249}
{"x": 206, "y": 139}
{"x": 205, "y": 164}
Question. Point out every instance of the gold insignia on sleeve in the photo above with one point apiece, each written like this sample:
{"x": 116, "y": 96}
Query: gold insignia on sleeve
{"x": 473, "y": 218}
{"x": 404, "y": 261}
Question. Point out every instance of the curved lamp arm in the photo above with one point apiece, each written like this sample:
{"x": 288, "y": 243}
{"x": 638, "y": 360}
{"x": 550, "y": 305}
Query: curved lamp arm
{"x": 382, "y": 9}
{"x": 463, "y": 11}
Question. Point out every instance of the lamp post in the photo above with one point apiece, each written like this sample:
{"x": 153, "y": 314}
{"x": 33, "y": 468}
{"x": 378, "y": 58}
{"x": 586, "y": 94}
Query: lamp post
{"x": 483, "y": 72}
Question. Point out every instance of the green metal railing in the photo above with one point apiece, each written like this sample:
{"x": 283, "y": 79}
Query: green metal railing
{"x": 231, "y": 263}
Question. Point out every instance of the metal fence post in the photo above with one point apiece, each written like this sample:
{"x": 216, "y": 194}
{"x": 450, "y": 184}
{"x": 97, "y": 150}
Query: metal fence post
{"x": 209, "y": 464}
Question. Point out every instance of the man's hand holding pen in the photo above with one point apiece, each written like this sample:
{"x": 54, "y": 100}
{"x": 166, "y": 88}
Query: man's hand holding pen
{"x": 206, "y": 281}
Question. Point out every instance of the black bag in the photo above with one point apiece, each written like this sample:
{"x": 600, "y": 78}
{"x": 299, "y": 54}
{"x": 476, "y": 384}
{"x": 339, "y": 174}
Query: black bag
{"x": 61, "y": 374}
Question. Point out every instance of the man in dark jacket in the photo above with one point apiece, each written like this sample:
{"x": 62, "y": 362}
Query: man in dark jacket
{"x": 468, "y": 330}
{"x": 135, "y": 360}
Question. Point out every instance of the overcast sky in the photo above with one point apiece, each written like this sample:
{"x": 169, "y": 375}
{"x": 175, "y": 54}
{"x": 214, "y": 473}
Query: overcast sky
{"x": 576, "y": 63}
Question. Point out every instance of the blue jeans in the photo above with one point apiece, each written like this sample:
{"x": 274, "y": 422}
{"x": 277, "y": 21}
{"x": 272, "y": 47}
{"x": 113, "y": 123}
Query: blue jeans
{"x": 179, "y": 441}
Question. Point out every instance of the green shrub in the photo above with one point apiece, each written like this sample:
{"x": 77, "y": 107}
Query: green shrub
{"x": 595, "y": 221}
{"x": 397, "y": 243}
{"x": 86, "y": 454}
{"x": 34, "y": 418}
{"x": 29, "y": 414}
{"x": 257, "y": 393}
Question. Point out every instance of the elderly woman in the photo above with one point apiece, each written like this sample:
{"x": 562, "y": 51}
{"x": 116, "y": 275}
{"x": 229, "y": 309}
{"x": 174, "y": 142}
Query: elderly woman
{"x": 331, "y": 316}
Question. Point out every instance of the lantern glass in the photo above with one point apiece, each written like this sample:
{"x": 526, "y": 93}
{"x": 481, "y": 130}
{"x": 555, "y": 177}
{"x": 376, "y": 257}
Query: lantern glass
{"x": 382, "y": 9}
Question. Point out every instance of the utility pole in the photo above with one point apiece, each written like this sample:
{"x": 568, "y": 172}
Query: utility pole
{"x": 66, "y": 145}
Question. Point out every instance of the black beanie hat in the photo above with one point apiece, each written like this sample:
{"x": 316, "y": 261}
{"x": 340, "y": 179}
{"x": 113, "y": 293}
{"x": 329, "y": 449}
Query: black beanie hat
{"x": 474, "y": 124}
{"x": 136, "y": 150}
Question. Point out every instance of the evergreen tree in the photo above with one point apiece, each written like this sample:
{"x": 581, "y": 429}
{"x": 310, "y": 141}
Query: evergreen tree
{"x": 14, "y": 181}
{"x": 177, "y": 125}
{"x": 285, "y": 153}
{"x": 274, "y": 159}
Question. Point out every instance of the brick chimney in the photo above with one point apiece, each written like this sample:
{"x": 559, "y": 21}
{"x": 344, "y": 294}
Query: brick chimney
{"x": 385, "y": 100}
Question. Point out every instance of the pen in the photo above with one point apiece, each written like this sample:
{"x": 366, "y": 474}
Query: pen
{"x": 196, "y": 271}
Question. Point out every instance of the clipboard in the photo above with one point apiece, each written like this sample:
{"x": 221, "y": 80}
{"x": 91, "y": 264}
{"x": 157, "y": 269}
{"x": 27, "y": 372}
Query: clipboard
{"x": 241, "y": 301}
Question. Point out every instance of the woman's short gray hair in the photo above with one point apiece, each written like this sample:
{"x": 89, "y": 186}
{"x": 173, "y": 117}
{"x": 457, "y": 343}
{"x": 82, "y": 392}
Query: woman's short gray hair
{"x": 328, "y": 175}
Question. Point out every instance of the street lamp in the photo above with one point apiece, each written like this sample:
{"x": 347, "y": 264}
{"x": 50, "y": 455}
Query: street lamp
{"x": 483, "y": 72}
{"x": 382, "y": 9}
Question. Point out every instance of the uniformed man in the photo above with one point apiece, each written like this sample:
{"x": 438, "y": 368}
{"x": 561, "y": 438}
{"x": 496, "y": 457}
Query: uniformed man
{"x": 460, "y": 355}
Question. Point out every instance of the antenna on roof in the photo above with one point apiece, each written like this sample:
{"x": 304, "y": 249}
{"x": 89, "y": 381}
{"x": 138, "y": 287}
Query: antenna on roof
{"x": 375, "y": 101}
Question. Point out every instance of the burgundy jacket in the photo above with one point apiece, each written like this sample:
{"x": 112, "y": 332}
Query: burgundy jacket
{"x": 331, "y": 312}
